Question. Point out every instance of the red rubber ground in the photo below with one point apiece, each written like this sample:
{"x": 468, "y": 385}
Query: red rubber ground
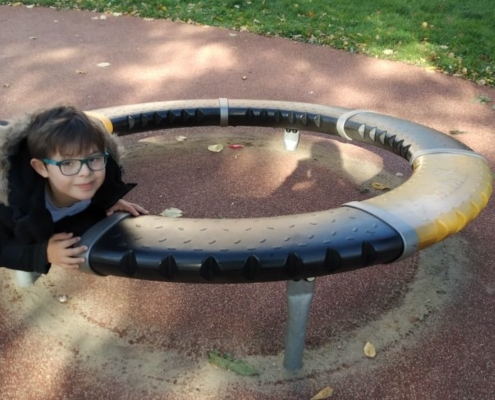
{"x": 431, "y": 317}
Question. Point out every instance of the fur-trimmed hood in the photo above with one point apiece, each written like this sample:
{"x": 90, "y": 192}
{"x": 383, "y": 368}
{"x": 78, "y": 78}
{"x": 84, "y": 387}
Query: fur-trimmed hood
{"x": 15, "y": 132}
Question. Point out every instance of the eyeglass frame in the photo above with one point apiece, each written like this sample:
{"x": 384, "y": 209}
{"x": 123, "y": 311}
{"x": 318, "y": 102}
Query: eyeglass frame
{"x": 83, "y": 161}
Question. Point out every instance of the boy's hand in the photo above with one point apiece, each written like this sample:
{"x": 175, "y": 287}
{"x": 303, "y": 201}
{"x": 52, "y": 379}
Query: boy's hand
{"x": 60, "y": 251}
{"x": 131, "y": 208}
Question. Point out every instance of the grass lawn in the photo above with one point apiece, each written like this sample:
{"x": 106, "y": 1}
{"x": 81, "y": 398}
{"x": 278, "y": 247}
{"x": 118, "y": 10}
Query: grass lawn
{"x": 453, "y": 36}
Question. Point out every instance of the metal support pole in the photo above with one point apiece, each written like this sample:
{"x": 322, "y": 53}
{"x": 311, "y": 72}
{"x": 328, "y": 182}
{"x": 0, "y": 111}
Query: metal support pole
{"x": 291, "y": 139}
{"x": 299, "y": 296}
{"x": 25, "y": 279}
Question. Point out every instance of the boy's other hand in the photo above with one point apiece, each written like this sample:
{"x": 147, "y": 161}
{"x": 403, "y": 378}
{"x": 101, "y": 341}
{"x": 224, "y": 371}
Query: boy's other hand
{"x": 122, "y": 205}
{"x": 60, "y": 251}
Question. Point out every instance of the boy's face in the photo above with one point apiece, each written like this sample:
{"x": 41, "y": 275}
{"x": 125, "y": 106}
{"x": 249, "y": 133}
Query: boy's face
{"x": 68, "y": 190}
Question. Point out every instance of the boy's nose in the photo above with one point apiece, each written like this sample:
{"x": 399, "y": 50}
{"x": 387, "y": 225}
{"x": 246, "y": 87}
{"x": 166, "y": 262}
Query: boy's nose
{"x": 84, "y": 170}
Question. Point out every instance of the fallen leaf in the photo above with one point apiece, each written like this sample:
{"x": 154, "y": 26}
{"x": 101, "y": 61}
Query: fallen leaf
{"x": 80, "y": 72}
{"x": 236, "y": 146}
{"x": 149, "y": 19}
{"x": 104, "y": 17}
{"x": 117, "y": 14}
{"x": 226, "y": 361}
{"x": 232, "y": 34}
{"x": 62, "y": 298}
{"x": 481, "y": 99}
{"x": 30, "y": 6}
{"x": 171, "y": 212}
{"x": 103, "y": 65}
{"x": 323, "y": 394}
{"x": 369, "y": 350}
{"x": 181, "y": 138}
{"x": 216, "y": 148}
{"x": 379, "y": 186}
{"x": 457, "y": 132}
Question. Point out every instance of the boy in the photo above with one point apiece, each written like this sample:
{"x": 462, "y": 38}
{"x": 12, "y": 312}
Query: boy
{"x": 60, "y": 173}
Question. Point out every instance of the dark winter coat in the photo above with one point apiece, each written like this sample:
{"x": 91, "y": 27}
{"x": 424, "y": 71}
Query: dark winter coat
{"x": 25, "y": 223}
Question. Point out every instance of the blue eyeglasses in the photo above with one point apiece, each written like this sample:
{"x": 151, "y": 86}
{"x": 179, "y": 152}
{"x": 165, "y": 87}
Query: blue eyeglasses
{"x": 97, "y": 162}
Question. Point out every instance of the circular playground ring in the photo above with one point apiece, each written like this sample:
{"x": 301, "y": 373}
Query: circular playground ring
{"x": 448, "y": 188}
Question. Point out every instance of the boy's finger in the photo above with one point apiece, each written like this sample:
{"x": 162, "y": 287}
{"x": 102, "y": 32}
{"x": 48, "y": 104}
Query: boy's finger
{"x": 77, "y": 250}
{"x": 142, "y": 210}
{"x": 61, "y": 236}
{"x": 72, "y": 241}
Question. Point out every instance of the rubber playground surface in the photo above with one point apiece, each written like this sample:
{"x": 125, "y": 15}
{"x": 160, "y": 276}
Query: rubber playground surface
{"x": 71, "y": 335}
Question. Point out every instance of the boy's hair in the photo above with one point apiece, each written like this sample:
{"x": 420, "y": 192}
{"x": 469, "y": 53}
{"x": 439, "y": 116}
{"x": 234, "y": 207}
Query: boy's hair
{"x": 64, "y": 130}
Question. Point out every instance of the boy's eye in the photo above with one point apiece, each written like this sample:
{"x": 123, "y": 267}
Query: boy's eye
{"x": 67, "y": 163}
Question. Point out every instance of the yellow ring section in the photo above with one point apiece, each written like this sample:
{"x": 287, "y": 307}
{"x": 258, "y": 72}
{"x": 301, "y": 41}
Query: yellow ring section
{"x": 103, "y": 119}
{"x": 444, "y": 193}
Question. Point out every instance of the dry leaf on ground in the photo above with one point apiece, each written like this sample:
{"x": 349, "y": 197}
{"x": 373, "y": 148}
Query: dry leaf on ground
{"x": 379, "y": 186}
{"x": 323, "y": 394}
{"x": 369, "y": 350}
{"x": 80, "y": 72}
{"x": 228, "y": 362}
{"x": 103, "y": 65}
{"x": 216, "y": 148}
{"x": 171, "y": 212}
{"x": 62, "y": 298}
{"x": 481, "y": 99}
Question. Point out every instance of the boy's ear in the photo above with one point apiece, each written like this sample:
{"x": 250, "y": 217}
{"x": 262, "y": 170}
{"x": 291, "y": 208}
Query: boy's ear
{"x": 39, "y": 166}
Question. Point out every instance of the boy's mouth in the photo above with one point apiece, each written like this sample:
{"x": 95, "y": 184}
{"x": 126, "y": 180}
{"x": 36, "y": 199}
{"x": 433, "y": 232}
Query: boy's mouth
{"x": 85, "y": 186}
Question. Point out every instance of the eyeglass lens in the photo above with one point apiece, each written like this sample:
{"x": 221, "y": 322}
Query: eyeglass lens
{"x": 72, "y": 167}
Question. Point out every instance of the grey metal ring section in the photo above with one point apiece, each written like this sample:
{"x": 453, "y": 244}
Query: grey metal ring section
{"x": 443, "y": 151}
{"x": 406, "y": 232}
{"x": 343, "y": 119}
{"x": 257, "y": 250}
{"x": 224, "y": 111}
{"x": 94, "y": 233}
